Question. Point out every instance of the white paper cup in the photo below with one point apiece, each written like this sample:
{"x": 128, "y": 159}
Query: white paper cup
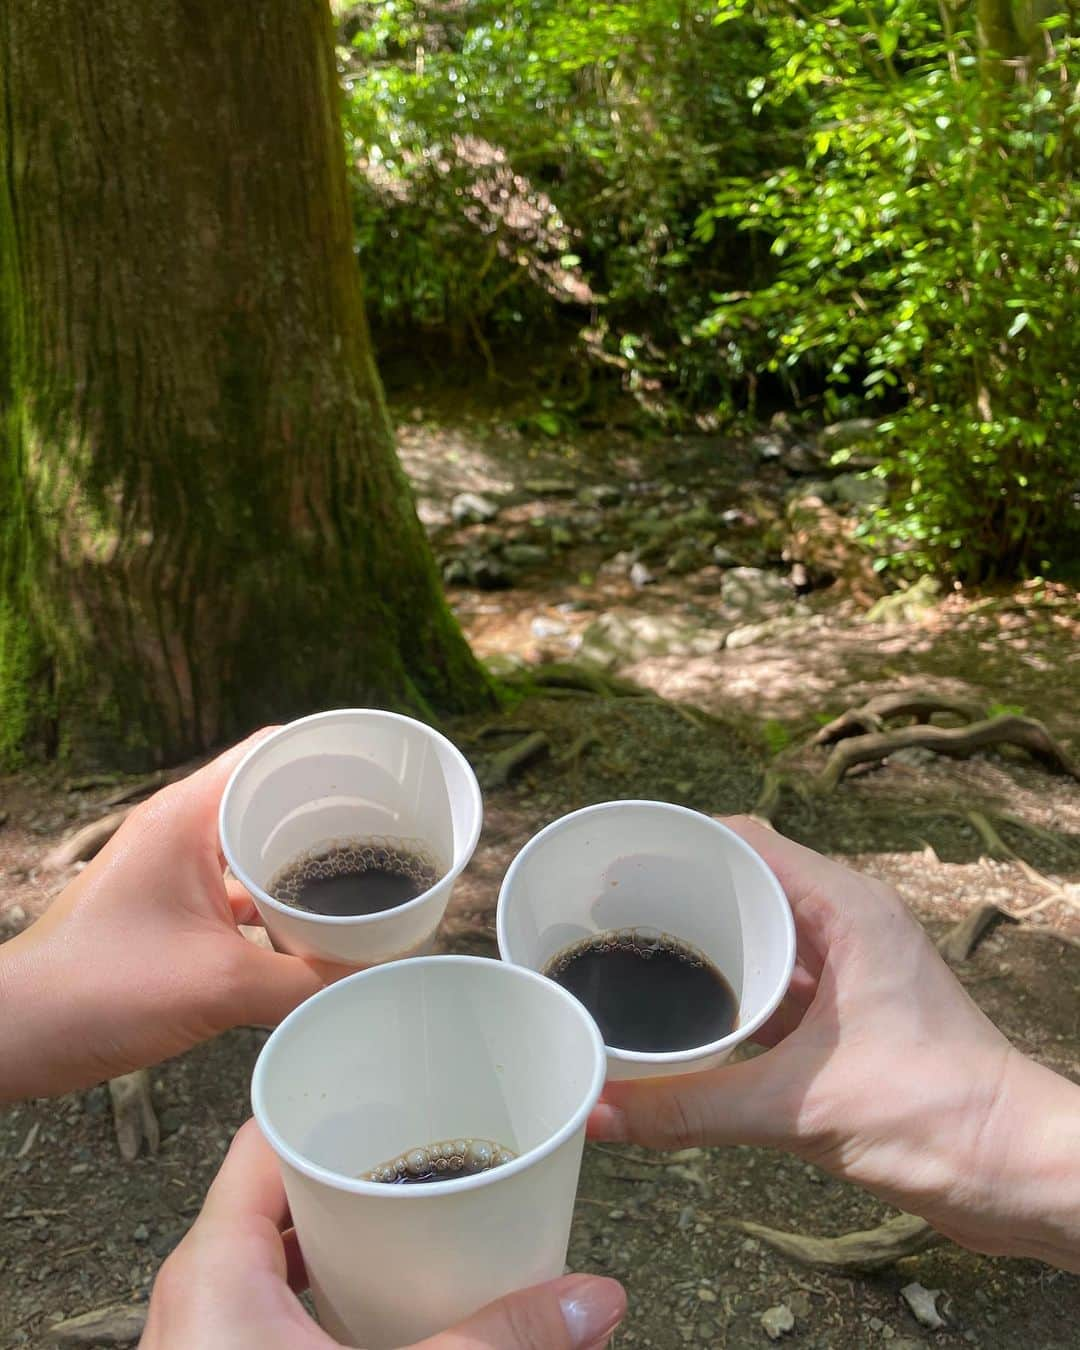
{"x": 353, "y": 773}
{"x": 641, "y": 864}
{"x": 441, "y": 1047}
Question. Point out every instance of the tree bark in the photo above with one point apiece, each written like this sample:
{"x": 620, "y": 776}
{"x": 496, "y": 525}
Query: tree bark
{"x": 203, "y": 524}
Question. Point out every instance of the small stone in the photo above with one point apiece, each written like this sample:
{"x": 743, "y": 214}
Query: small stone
{"x": 778, "y": 1321}
{"x": 768, "y": 448}
{"x": 542, "y": 627}
{"x": 750, "y": 1244}
{"x": 859, "y": 489}
{"x": 706, "y": 1295}
{"x": 923, "y": 1304}
{"x": 469, "y": 508}
{"x": 525, "y": 555}
{"x": 641, "y": 576}
{"x": 876, "y": 1324}
{"x": 600, "y": 494}
{"x": 489, "y": 575}
{"x": 723, "y": 557}
{"x": 455, "y": 572}
{"x": 141, "y": 1233}
{"x": 800, "y": 1304}
{"x": 734, "y": 519}
{"x": 748, "y": 588}
{"x": 684, "y": 560}
{"x": 841, "y": 435}
{"x": 170, "y": 1120}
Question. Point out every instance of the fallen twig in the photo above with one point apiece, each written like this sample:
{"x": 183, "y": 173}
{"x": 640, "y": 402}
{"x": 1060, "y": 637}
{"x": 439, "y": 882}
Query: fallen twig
{"x": 120, "y": 1324}
{"x": 872, "y": 1249}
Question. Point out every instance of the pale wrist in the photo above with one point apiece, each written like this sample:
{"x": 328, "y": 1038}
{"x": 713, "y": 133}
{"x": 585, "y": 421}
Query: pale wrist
{"x": 44, "y": 1027}
{"x": 1033, "y": 1165}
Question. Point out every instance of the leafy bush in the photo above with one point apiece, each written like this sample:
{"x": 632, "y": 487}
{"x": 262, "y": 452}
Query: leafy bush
{"x": 924, "y": 252}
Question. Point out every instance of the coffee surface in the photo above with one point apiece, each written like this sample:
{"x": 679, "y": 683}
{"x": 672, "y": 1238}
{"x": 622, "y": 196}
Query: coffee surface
{"x": 355, "y": 877}
{"x": 647, "y": 992}
{"x": 447, "y": 1160}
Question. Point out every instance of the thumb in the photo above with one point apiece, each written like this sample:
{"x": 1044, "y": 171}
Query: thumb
{"x": 578, "y": 1312}
{"x": 267, "y": 985}
{"x": 747, "y": 1103}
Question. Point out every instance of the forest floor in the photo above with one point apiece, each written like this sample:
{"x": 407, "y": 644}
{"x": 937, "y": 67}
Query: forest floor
{"x": 746, "y": 664}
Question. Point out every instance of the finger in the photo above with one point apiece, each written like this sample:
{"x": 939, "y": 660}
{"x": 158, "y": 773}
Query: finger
{"x": 574, "y": 1313}
{"x": 264, "y": 986}
{"x": 197, "y": 796}
{"x": 754, "y": 1102}
{"x": 825, "y": 896}
{"x": 240, "y": 902}
{"x": 295, "y": 1270}
{"x": 248, "y": 1181}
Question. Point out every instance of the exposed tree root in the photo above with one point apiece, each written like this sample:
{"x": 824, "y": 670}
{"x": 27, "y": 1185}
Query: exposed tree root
{"x": 875, "y": 712}
{"x": 871, "y": 1249}
{"x": 500, "y": 768}
{"x": 86, "y": 842}
{"x": 134, "y": 1117}
{"x": 581, "y": 745}
{"x": 961, "y": 940}
{"x": 958, "y": 742}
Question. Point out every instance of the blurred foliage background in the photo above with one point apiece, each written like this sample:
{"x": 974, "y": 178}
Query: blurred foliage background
{"x": 735, "y": 210}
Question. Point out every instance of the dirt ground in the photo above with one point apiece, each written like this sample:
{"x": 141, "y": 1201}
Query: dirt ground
{"x": 81, "y": 1229}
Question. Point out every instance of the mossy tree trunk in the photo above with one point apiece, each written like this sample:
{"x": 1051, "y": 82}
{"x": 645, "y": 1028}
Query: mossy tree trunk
{"x": 204, "y": 524}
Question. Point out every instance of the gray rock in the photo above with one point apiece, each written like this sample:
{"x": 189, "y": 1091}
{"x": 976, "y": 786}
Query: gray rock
{"x": 859, "y": 489}
{"x": 684, "y": 560}
{"x": 769, "y": 448}
{"x": 923, "y": 1304}
{"x": 618, "y": 638}
{"x": 906, "y": 606}
{"x": 821, "y": 488}
{"x": 455, "y": 572}
{"x": 750, "y": 588}
{"x": 504, "y": 664}
{"x": 141, "y": 1233}
{"x": 778, "y": 1321}
{"x": 525, "y": 555}
{"x": 723, "y": 557}
{"x": 601, "y": 494}
{"x": 641, "y": 576}
{"x": 542, "y": 627}
{"x": 469, "y": 508}
{"x": 488, "y": 574}
{"x": 771, "y": 630}
{"x": 853, "y": 431}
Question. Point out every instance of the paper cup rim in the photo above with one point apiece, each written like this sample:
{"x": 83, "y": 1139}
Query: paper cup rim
{"x": 349, "y": 920}
{"x": 665, "y": 1058}
{"x": 338, "y": 1180}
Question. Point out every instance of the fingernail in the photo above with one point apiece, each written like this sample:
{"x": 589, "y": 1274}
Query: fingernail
{"x": 591, "y": 1309}
{"x": 608, "y": 1122}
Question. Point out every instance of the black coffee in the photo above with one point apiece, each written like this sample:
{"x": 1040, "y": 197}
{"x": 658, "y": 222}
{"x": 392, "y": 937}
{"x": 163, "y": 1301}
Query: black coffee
{"x": 647, "y": 992}
{"x": 355, "y": 877}
{"x": 448, "y": 1160}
